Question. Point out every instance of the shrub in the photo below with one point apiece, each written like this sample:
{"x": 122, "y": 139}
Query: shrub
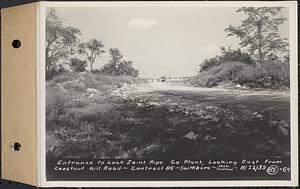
{"x": 209, "y": 63}
{"x": 77, "y": 65}
{"x": 55, "y": 71}
{"x": 271, "y": 75}
{"x": 235, "y": 55}
{"x": 56, "y": 102}
{"x": 227, "y": 55}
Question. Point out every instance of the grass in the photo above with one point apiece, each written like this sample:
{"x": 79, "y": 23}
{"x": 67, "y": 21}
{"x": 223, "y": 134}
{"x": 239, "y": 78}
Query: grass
{"x": 274, "y": 75}
{"x": 153, "y": 125}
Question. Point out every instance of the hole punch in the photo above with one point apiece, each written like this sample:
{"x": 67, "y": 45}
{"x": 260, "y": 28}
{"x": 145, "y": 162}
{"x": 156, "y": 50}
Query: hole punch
{"x": 16, "y": 146}
{"x": 16, "y": 43}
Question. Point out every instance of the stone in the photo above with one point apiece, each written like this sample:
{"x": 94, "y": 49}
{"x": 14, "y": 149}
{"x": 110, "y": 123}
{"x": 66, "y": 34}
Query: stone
{"x": 272, "y": 123}
{"x": 140, "y": 104}
{"x": 92, "y": 90}
{"x": 284, "y": 123}
{"x": 282, "y": 131}
{"x": 238, "y": 86}
{"x": 191, "y": 135}
{"x": 208, "y": 137}
{"x": 91, "y": 96}
{"x": 153, "y": 104}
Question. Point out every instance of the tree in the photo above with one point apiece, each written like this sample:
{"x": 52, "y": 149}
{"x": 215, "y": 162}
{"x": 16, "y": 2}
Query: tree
{"x": 235, "y": 55}
{"x": 61, "y": 41}
{"x": 77, "y": 65}
{"x": 117, "y": 66}
{"x": 126, "y": 68}
{"x": 113, "y": 65}
{"x": 92, "y": 49}
{"x": 259, "y": 33}
{"x": 116, "y": 57}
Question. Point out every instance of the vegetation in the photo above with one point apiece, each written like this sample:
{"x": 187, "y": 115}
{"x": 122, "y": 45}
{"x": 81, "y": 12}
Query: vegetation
{"x": 259, "y": 33}
{"x": 117, "y": 66}
{"x": 226, "y": 55}
{"x": 82, "y": 125}
{"x": 61, "y": 43}
{"x": 77, "y": 65}
{"x": 273, "y": 75}
{"x": 264, "y": 64}
{"x": 91, "y": 49}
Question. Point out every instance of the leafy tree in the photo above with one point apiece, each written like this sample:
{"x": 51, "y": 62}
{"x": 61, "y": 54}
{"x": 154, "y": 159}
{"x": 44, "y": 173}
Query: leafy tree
{"x": 208, "y": 63}
{"x": 235, "y": 55}
{"x": 61, "y": 41}
{"x": 126, "y": 68}
{"x": 117, "y": 66}
{"x": 92, "y": 49}
{"x": 227, "y": 55}
{"x": 112, "y": 67}
{"x": 59, "y": 69}
{"x": 116, "y": 57}
{"x": 259, "y": 33}
{"x": 77, "y": 65}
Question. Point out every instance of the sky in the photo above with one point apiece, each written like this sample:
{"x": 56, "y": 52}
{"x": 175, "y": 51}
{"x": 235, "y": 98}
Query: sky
{"x": 159, "y": 40}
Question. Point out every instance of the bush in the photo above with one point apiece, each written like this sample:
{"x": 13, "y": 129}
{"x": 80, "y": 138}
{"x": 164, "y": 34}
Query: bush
{"x": 209, "y": 63}
{"x": 56, "y": 101}
{"x": 271, "y": 75}
{"x": 55, "y": 71}
{"x": 227, "y": 55}
{"x": 77, "y": 65}
{"x": 235, "y": 55}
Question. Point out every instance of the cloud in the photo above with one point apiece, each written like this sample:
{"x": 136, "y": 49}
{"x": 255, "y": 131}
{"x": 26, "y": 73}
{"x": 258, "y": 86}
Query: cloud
{"x": 138, "y": 22}
{"x": 210, "y": 48}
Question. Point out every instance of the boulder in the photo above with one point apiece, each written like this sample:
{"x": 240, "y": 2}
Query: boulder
{"x": 238, "y": 86}
{"x": 191, "y": 135}
{"x": 92, "y": 90}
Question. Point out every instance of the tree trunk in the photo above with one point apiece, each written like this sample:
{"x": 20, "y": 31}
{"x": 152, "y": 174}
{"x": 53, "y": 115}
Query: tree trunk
{"x": 91, "y": 63}
{"x": 260, "y": 44}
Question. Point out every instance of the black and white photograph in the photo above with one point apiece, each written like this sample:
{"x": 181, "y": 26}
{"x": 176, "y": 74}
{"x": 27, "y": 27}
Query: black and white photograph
{"x": 168, "y": 92}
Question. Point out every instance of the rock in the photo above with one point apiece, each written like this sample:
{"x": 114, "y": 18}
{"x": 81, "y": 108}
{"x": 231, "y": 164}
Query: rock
{"x": 153, "y": 104}
{"x": 61, "y": 88}
{"x": 140, "y": 104}
{"x": 272, "y": 123}
{"x": 91, "y": 96}
{"x": 208, "y": 137}
{"x": 282, "y": 131}
{"x": 155, "y": 147}
{"x": 238, "y": 86}
{"x": 124, "y": 85}
{"x": 284, "y": 123}
{"x": 257, "y": 115}
{"x": 191, "y": 135}
{"x": 92, "y": 90}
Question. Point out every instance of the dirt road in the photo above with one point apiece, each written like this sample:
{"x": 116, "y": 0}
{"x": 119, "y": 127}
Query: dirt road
{"x": 184, "y": 121}
{"x": 163, "y": 120}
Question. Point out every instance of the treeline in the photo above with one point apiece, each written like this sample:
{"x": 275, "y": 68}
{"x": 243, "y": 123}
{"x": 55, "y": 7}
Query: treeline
{"x": 264, "y": 60}
{"x": 63, "y": 44}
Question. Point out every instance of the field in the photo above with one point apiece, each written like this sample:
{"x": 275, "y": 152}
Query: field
{"x": 98, "y": 116}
